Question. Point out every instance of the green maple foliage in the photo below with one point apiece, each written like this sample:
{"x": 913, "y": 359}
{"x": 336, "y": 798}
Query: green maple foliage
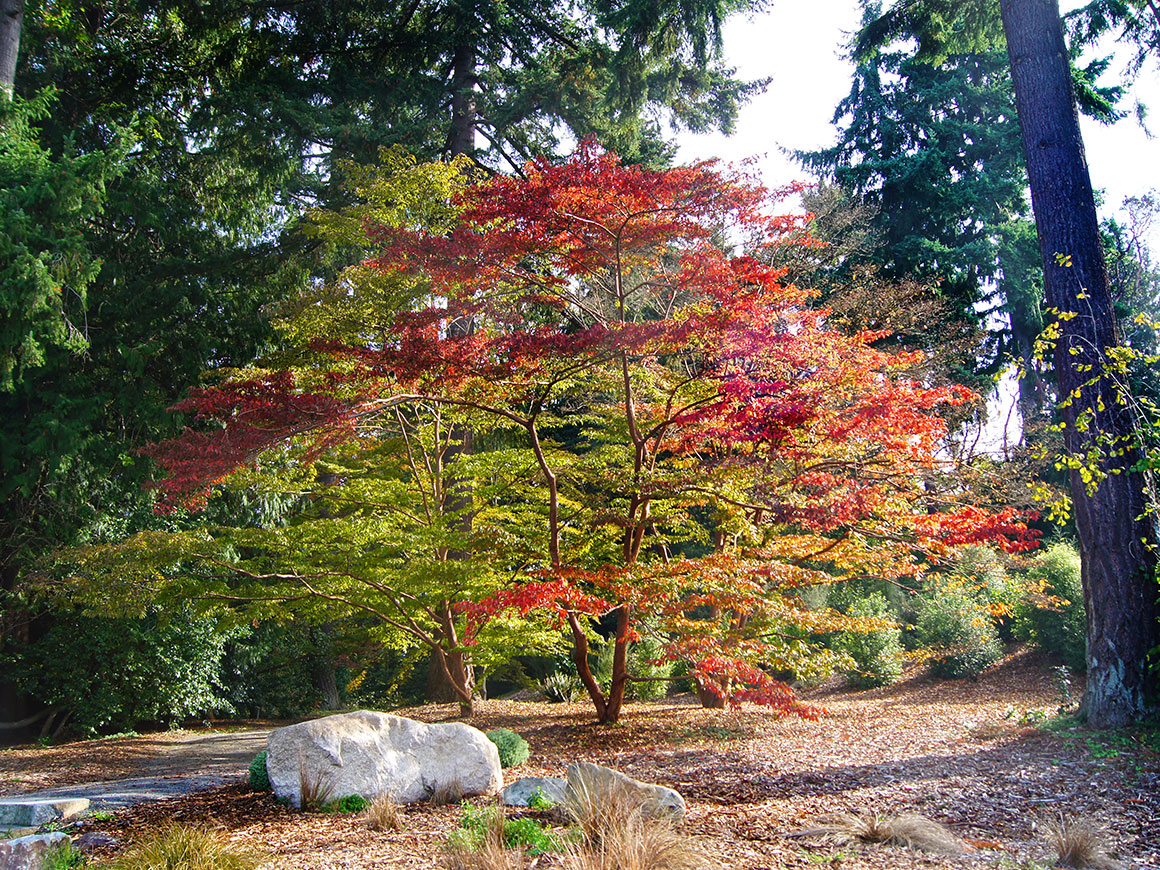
{"x": 637, "y": 377}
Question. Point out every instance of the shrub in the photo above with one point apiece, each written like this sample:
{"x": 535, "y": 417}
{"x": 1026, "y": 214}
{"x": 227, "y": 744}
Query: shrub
{"x": 958, "y": 631}
{"x": 513, "y": 749}
{"x": 110, "y": 674}
{"x": 62, "y": 857}
{"x": 259, "y": 778}
{"x": 562, "y": 687}
{"x": 876, "y": 654}
{"x": 983, "y": 573}
{"x": 478, "y": 827}
{"x": 352, "y": 803}
{"x": 1053, "y": 618}
{"x": 177, "y": 847}
{"x": 642, "y": 657}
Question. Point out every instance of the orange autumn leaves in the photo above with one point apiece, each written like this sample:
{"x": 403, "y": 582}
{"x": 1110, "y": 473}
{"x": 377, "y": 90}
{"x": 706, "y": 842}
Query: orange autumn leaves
{"x": 705, "y": 442}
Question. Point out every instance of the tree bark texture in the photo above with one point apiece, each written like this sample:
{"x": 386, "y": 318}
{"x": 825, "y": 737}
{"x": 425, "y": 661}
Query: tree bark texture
{"x": 1116, "y": 539}
{"x": 11, "y": 22}
{"x": 463, "y": 112}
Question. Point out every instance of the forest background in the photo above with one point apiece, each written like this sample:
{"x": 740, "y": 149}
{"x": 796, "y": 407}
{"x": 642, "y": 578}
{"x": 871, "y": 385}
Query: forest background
{"x": 158, "y": 161}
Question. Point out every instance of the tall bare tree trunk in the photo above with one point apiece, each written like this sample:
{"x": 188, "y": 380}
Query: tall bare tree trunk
{"x": 1117, "y": 539}
{"x": 11, "y": 22}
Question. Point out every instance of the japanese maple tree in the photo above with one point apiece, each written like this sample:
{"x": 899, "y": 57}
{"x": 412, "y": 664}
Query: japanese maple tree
{"x": 702, "y": 444}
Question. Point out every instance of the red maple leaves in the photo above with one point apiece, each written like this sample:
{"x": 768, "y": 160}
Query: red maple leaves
{"x": 633, "y": 312}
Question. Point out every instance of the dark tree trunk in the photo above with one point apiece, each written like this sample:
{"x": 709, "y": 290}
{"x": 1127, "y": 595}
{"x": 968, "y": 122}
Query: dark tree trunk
{"x": 11, "y": 22}
{"x": 463, "y": 115}
{"x": 1119, "y": 564}
{"x": 14, "y": 632}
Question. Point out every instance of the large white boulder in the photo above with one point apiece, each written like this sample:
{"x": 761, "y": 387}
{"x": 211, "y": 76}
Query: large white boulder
{"x": 371, "y": 754}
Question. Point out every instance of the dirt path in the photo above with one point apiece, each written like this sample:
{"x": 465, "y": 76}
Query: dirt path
{"x": 118, "y": 773}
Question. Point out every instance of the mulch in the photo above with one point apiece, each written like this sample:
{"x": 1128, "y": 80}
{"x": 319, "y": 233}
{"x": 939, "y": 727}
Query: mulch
{"x": 953, "y": 751}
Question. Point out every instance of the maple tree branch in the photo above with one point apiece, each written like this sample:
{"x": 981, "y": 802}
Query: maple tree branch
{"x": 411, "y": 462}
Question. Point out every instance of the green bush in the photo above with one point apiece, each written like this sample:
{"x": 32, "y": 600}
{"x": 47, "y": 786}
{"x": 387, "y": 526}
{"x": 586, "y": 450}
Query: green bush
{"x": 110, "y": 674}
{"x": 352, "y": 803}
{"x": 529, "y": 834}
{"x": 477, "y": 825}
{"x": 513, "y": 749}
{"x": 642, "y": 656}
{"x": 63, "y": 857}
{"x": 876, "y": 654}
{"x": 259, "y": 778}
{"x": 983, "y": 573}
{"x": 1054, "y": 618}
{"x": 958, "y": 630}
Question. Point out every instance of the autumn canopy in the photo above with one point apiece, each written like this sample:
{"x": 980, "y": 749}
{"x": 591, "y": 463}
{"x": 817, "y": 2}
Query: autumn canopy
{"x": 590, "y": 387}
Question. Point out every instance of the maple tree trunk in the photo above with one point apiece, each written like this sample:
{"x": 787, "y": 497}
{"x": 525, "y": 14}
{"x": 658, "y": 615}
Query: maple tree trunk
{"x": 619, "y": 682}
{"x": 710, "y": 699}
{"x": 11, "y": 23}
{"x": 580, "y": 658}
{"x": 448, "y": 676}
{"x": 1115, "y": 535}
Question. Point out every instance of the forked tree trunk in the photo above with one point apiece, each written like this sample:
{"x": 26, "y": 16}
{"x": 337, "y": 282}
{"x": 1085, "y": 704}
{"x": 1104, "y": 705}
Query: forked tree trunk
{"x": 1116, "y": 537}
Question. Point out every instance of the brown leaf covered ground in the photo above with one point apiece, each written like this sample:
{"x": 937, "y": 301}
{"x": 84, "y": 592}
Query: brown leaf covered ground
{"x": 949, "y": 750}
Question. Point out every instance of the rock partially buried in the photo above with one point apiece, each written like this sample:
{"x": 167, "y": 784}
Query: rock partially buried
{"x": 27, "y": 853}
{"x": 371, "y": 754}
{"x": 591, "y": 782}
{"x": 520, "y": 792}
{"x": 34, "y": 813}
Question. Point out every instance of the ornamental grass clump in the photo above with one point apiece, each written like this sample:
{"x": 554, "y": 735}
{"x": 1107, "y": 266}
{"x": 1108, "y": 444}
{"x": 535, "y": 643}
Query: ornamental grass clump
{"x": 906, "y": 829}
{"x": 180, "y": 847}
{"x": 384, "y": 815}
{"x": 1079, "y": 844}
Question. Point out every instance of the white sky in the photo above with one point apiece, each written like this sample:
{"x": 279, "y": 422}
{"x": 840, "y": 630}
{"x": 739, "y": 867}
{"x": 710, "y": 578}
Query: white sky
{"x": 799, "y": 44}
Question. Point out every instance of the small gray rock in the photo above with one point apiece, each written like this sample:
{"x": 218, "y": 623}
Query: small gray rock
{"x": 520, "y": 792}
{"x": 27, "y": 853}
{"x": 94, "y": 840}
{"x": 592, "y": 781}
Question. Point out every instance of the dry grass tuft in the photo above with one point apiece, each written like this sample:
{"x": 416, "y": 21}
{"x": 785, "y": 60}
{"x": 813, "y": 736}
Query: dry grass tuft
{"x": 383, "y": 814}
{"x": 488, "y": 855}
{"x": 618, "y": 835}
{"x": 315, "y": 793}
{"x": 451, "y": 792}
{"x": 597, "y": 814}
{"x": 637, "y": 843}
{"x": 177, "y": 847}
{"x": 907, "y": 829}
{"x": 1079, "y": 844}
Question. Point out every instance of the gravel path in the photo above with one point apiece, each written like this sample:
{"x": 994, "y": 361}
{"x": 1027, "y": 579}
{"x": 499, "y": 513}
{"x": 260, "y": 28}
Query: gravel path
{"x": 183, "y": 766}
